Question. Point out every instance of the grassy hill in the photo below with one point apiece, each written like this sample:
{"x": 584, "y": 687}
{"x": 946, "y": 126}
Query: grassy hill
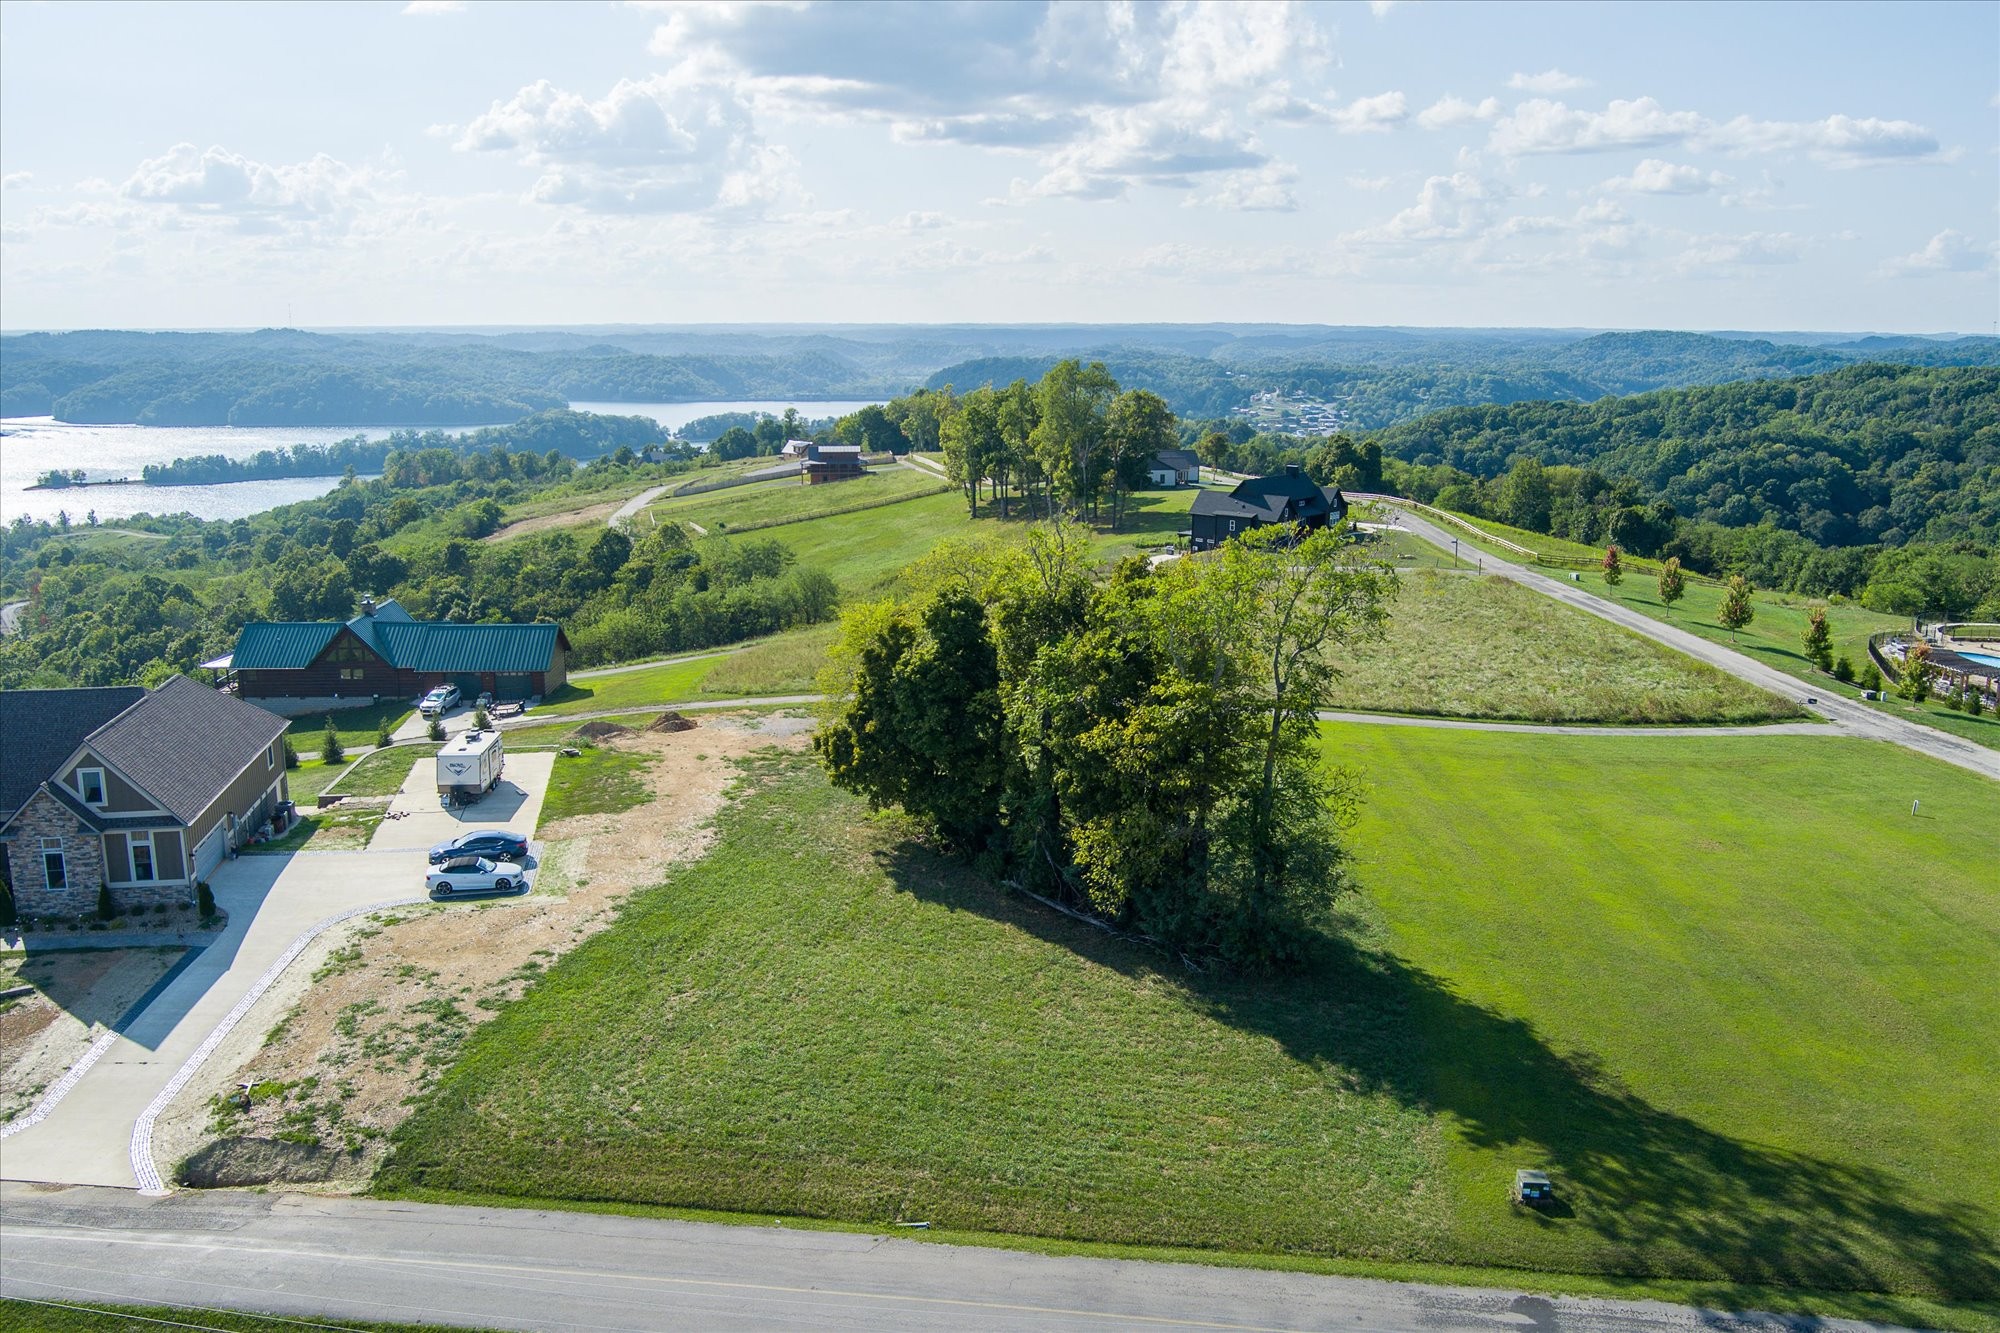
{"x": 1744, "y": 1056}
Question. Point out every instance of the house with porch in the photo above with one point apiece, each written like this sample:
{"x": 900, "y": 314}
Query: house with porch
{"x": 1175, "y": 467}
{"x": 299, "y": 667}
{"x": 1289, "y": 497}
{"x": 143, "y": 792}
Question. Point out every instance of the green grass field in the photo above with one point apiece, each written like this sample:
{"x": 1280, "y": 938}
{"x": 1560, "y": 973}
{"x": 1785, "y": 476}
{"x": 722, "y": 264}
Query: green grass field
{"x": 596, "y": 781}
{"x": 48, "y": 1316}
{"x": 785, "y": 663}
{"x": 354, "y": 726}
{"x": 787, "y": 499}
{"x": 1746, "y": 1057}
{"x": 383, "y": 772}
{"x": 1462, "y": 645}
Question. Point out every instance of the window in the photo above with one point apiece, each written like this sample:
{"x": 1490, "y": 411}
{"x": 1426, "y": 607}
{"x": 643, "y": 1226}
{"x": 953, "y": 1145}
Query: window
{"x": 270, "y": 757}
{"x": 90, "y": 785}
{"x": 55, "y": 870}
{"x": 350, "y": 673}
{"x": 142, "y": 857}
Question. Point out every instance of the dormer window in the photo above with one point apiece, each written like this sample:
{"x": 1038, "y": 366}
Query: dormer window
{"x": 90, "y": 785}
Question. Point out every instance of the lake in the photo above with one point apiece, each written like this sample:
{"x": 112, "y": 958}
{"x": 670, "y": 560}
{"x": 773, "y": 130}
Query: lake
{"x": 30, "y": 446}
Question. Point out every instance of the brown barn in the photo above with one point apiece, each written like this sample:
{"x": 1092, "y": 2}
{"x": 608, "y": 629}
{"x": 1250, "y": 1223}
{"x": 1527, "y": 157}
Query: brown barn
{"x": 383, "y": 652}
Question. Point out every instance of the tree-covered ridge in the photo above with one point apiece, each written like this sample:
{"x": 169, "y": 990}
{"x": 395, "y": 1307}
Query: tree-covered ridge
{"x": 1861, "y": 455}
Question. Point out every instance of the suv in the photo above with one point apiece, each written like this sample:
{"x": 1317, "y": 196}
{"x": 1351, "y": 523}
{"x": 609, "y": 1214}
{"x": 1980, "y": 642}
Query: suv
{"x": 439, "y": 701}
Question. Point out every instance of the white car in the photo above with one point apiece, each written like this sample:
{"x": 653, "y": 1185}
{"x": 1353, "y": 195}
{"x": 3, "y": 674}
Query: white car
{"x": 475, "y": 874}
{"x": 439, "y": 701}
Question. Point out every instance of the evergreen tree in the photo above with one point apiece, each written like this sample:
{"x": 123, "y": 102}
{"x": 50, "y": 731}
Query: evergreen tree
{"x": 1819, "y": 639}
{"x": 330, "y": 748}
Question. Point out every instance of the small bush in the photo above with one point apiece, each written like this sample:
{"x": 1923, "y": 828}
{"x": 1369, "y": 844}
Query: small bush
{"x": 1843, "y": 668}
{"x": 479, "y": 719}
{"x": 291, "y": 755}
{"x": 1871, "y": 677}
{"x": 1974, "y": 703}
{"x": 106, "y": 906}
{"x": 383, "y": 736}
{"x": 437, "y": 729}
{"x": 204, "y": 899}
{"x": 330, "y": 748}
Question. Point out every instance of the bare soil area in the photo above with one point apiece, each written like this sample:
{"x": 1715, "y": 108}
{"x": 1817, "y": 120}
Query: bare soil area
{"x": 79, "y": 995}
{"x": 568, "y": 518}
{"x": 375, "y": 1011}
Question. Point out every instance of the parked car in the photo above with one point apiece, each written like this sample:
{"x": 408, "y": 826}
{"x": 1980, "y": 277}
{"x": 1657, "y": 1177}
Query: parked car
{"x": 439, "y": 701}
{"x": 494, "y": 843}
{"x": 475, "y": 874}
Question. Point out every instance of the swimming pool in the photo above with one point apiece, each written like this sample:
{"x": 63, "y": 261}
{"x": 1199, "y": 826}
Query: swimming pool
{"x": 1984, "y": 659}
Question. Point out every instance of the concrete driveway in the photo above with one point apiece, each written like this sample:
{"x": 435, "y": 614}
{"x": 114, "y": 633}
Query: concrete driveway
{"x": 419, "y": 823}
{"x": 87, "y": 1139}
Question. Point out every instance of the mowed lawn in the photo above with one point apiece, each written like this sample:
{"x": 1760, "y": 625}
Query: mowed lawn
{"x": 1465, "y": 645}
{"x": 1725, "y": 989}
{"x": 787, "y": 663}
{"x": 1728, "y": 990}
{"x": 788, "y": 499}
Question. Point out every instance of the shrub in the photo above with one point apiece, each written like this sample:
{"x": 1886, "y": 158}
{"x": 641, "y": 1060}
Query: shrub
{"x": 1974, "y": 703}
{"x": 479, "y": 719}
{"x": 106, "y": 906}
{"x": 437, "y": 729}
{"x": 383, "y": 736}
{"x": 291, "y": 755}
{"x": 7, "y": 917}
{"x": 204, "y": 899}
{"x": 1871, "y": 677}
{"x": 330, "y": 748}
{"x": 1843, "y": 668}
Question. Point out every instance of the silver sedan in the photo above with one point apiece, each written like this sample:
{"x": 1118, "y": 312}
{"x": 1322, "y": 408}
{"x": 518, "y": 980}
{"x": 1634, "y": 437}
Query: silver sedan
{"x": 475, "y": 874}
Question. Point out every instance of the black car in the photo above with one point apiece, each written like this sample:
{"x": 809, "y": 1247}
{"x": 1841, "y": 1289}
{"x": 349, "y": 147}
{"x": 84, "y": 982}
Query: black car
{"x": 496, "y": 844}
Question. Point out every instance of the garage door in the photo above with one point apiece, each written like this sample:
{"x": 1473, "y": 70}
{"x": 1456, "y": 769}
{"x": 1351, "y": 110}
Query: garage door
{"x": 208, "y": 852}
{"x": 514, "y": 686}
{"x": 469, "y": 684}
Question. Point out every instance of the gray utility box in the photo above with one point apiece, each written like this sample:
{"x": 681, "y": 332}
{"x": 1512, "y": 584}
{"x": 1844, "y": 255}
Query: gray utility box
{"x": 470, "y": 767}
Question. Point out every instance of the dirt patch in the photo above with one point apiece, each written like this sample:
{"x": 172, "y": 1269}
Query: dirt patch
{"x": 671, "y": 721}
{"x": 569, "y": 518}
{"x": 375, "y": 1011}
{"x": 79, "y": 995}
{"x": 601, "y": 728}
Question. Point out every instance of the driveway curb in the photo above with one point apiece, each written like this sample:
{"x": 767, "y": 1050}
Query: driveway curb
{"x": 143, "y": 1167}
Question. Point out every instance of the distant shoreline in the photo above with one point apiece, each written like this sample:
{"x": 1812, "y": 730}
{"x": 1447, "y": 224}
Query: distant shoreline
{"x": 170, "y": 485}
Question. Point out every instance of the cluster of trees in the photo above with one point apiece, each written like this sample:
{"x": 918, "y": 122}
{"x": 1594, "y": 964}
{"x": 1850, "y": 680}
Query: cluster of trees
{"x": 113, "y": 608}
{"x": 1142, "y": 746}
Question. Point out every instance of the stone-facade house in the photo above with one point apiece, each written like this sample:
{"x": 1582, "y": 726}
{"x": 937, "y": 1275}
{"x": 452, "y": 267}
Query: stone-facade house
{"x": 143, "y": 792}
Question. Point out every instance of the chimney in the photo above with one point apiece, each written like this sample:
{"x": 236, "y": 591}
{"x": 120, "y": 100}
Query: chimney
{"x": 368, "y": 606}
{"x": 1291, "y": 469}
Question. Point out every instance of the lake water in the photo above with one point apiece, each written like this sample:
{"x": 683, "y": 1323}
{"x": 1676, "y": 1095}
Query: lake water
{"x": 30, "y": 446}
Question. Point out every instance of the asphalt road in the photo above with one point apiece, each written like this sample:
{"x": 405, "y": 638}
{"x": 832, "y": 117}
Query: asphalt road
{"x": 502, "y": 1268}
{"x": 1850, "y": 717}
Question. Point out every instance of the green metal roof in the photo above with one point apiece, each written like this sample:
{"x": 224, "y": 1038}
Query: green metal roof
{"x": 430, "y": 646}
{"x": 282, "y": 644}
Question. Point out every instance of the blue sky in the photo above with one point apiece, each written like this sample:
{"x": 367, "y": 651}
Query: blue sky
{"x": 1627, "y": 166}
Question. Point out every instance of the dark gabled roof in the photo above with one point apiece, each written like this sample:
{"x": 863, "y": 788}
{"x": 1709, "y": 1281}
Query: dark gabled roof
{"x": 183, "y": 743}
{"x": 426, "y": 646}
{"x": 41, "y": 728}
{"x": 367, "y": 623}
{"x": 1218, "y": 505}
{"x": 1265, "y": 498}
{"x": 1180, "y": 460}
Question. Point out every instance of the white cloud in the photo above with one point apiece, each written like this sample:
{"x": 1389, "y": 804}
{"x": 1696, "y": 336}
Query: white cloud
{"x": 1755, "y": 250}
{"x": 1449, "y": 110}
{"x": 1950, "y": 251}
{"x": 1548, "y": 81}
{"x": 1381, "y": 8}
{"x": 1654, "y": 176}
{"x": 1371, "y": 115}
{"x": 1447, "y": 208}
{"x": 433, "y": 8}
{"x": 1267, "y": 189}
{"x": 218, "y": 182}
{"x": 1370, "y": 183}
{"x": 1541, "y": 126}
{"x": 16, "y": 180}
{"x": 654, "y": 146}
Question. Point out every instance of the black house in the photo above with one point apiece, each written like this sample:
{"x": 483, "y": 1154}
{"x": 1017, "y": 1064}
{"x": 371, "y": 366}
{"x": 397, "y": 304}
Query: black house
{"x": 1290, "y": 497}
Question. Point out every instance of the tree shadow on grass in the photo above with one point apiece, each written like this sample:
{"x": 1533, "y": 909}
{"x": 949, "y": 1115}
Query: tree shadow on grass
{"x": 1655, "y": 1193}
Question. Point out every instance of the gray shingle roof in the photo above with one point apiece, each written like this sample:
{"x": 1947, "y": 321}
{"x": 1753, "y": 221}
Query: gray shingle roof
{"x": 39, "y": 729}
{"x": 184, "y": 743}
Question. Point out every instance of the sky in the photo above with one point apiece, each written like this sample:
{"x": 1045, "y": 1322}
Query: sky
{"x": 1778, "y": 167}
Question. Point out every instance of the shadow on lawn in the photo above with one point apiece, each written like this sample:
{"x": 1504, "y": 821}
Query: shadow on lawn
{"x": 1643, "y": 1181}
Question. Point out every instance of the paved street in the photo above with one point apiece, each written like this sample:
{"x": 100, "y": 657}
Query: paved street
{"x": 1850, "y": 717}
{"x": 504, "y": 1268}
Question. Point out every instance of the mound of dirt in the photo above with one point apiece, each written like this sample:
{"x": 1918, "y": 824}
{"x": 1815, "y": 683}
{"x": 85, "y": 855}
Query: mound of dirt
{"x": 251, "y": 1161}
{"x": 597, "y": 731}
{"x": 671, "y": 721}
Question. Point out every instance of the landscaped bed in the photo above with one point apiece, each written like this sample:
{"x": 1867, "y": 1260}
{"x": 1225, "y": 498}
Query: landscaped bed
{"x": 1609, "y": 957}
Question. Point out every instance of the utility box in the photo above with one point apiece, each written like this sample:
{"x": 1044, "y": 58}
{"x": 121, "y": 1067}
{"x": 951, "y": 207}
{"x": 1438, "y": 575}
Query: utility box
{"x": 470, "y": 767}
{"x": 1533, "y": 1188}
